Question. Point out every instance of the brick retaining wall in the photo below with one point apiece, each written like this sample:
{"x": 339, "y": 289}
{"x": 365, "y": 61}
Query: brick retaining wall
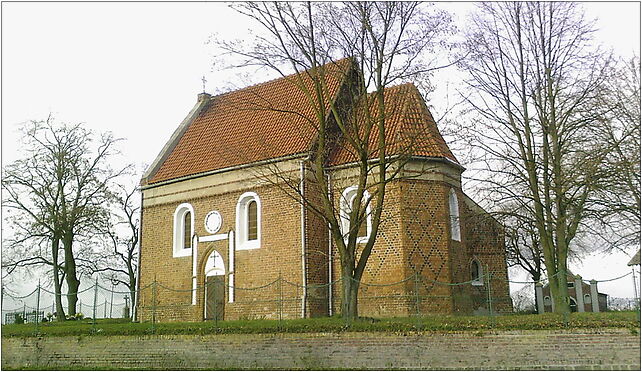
{"x": 579, "y": 349}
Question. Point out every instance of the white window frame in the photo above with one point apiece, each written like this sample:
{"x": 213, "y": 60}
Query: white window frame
{"x": 453, "y": 209}
{"x": 480, "y": 279}
{"x": 241, "y": 222}
{"x": 179, "y": 249}
{"x": 347, "y": 196}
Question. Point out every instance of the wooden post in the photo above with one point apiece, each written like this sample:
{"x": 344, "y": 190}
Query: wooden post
{"x": 490, "y": 298}
{"x": 154, "y": 304}
{"x": 280, "y": 298}
{"x": 95, "y": 299}
{"x": 37, "y": 306}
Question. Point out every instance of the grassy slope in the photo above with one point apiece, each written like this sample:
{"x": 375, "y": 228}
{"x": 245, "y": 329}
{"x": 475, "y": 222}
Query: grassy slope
{"x": 334, "y": 324}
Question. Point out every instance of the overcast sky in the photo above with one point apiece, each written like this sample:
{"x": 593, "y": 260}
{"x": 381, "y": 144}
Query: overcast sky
{"x": 135, "y": 69}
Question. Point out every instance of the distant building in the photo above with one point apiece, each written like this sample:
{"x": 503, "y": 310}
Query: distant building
{"x": 584, "y": 296}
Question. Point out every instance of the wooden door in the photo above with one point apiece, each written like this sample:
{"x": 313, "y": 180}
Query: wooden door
{"x": 215, "y": 297}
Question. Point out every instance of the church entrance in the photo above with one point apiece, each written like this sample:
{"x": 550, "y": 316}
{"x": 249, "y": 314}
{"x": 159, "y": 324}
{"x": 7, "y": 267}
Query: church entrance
{"x": 214, "y": 287}
{"x": 215, "y": 297}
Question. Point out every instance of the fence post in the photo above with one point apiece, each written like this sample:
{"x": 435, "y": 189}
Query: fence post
{"x": 154, "y": 305}
{"x": 111, "y": 303}
{"x": 280, "y": 299}
{"x": 38, "y": 307}
{"x": 417, "y": 299}
{"x": 567, "y": 300}
{"x": 93, "y": 320}
{"x": 24, "y": 312}
{"x": 342, "y": 291}
{"x": 490, "y": 298}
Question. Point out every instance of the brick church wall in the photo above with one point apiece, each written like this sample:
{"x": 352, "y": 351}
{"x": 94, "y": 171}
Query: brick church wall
{"x": 279, "y": 254}
{"x": 485, "y": 241}
{"x": 415, "y": 237}
{"x": 426, "y": 242}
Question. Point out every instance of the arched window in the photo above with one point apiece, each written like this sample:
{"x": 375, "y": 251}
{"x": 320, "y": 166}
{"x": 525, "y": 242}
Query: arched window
{"x": 547, "y": 301}
{"x": 252, "y": 223}
{"x": 476, "y": 274}
{"x": 187, "y": 231}
{"x": 348, "y": 203}
{"x": 183, "y": 230}
{"x": 248, "y": 221}
{"x": 453, "y": 207}
{"x": 587, "y": 298}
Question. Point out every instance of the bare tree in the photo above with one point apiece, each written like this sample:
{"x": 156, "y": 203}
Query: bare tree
{"x": 617, "y": 203}
{"x": 536, "y": 80}
{"x": 58, "y": 194}
{"x": 385, "y": 43}
{"x": 523, "y": 248}
{"x": 120, "y": 262}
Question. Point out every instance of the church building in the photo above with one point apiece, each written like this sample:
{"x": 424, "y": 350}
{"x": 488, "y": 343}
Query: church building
{"x": 224, "y": 237}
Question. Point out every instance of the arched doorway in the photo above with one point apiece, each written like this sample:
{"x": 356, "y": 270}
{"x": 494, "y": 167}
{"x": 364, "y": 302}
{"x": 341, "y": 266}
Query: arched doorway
{"x": 214, "y": 287}
{"x": 573, "y": 305}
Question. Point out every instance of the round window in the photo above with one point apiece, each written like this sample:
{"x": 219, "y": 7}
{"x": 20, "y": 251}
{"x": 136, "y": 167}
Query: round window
{"x": 213, "y": 222}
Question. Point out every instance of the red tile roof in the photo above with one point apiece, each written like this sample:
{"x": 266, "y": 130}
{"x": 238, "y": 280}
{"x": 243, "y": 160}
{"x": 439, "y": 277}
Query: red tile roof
{"x": 409, "y": 128}
{"x": 265, "y": 121}
{"x": 276, "y": 119}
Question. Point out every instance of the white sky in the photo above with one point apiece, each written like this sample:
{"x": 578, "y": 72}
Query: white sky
{"x": 135, "y": 69}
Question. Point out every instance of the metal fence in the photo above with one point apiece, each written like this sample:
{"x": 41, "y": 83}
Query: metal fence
{"x": 416, "y": 296}
{"x": 39, "y": 305}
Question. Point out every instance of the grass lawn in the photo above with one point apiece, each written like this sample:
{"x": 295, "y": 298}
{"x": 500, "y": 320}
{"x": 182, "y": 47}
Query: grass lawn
{"x": 440, "y": 323}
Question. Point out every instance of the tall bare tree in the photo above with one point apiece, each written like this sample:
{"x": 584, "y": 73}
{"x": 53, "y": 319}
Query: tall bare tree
{"x": 59, "y": 195}
{"x": 387, "y": 43}
{"x": 536, "y": 79}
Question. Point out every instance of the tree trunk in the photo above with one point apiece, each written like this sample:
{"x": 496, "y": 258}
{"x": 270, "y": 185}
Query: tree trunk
{"x": 559, "y": 290}
{"x": 349, "y": 304}
{"x": 349, "y": 310}
{"x": 559, "y": 295}
{"x": 73, "y": 283}
{"x": 132, "y": 290}
{"x": 60, "y": 312}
